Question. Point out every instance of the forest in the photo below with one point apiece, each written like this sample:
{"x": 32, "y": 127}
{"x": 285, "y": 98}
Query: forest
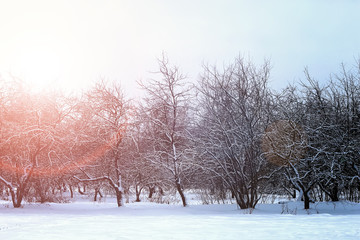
{"x": 227, "y": 134}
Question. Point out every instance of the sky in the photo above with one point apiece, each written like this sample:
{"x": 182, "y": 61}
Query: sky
{"x": 71, "y": 44}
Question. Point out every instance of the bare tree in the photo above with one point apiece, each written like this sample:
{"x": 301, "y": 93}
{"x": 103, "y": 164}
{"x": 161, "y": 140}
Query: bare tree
{"x": 165, "y": 111}
{"x": 234, "y": 111}
{"x": 102, "y": 125}
{"x": 29, "y": 133}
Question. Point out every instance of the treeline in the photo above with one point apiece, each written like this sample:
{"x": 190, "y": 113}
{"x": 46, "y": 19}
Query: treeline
{"x": 228, "y": 133}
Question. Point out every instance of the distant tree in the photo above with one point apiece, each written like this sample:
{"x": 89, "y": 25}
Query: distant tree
{"x": 324, "y": 136}
{"x": 141, "y": 173}
{"x": 342, "y": 111}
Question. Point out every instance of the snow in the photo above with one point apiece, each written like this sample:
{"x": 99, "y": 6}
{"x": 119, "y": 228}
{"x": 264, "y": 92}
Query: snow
{"x": 89, "y": 220}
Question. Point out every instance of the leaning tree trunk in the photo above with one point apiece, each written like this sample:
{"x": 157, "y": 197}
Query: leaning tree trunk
{"x": 181, "y": 192}
{"x": 332, "y": 193}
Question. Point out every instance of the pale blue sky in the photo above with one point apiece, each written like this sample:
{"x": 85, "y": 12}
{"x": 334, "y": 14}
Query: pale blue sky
{"x": 73, "y": 43}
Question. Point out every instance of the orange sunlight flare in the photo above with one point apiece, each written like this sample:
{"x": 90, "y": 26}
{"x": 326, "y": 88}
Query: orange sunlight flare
{"x": 73, "y": 165}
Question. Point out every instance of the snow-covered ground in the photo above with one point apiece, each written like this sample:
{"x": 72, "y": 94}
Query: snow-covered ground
{"x": 89, "y": 220}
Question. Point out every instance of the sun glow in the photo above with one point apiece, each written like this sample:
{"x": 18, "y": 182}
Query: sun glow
{"x": 39, "y": 66}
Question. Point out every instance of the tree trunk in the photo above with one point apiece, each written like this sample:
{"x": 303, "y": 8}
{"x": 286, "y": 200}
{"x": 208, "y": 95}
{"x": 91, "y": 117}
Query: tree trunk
{"x": 95, "y": 194}
{"x": 71, "y": 192}
{"x": 40, "y": 191}
{"x": 183, "y": 199}
{"x": 17, "y": 196}
{"x": 334, "y": 193}
{"x": 119, "y": 197}
{"x": 151, "y": 191}
{"x": 138, "y": 192}
{"x": 306, "y": 200}
{"x": 161, "y": 191}
{"x": 240, "y": 201}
